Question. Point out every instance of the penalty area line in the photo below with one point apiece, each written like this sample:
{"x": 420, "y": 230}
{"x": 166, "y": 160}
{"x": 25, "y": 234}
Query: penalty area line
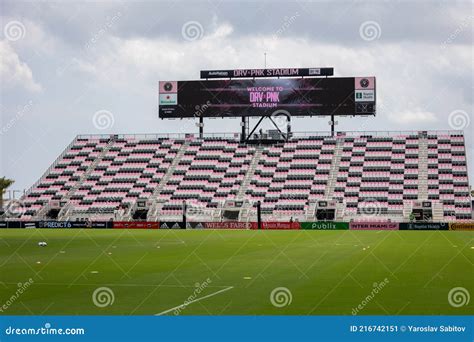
{"x": 194, "y": 301}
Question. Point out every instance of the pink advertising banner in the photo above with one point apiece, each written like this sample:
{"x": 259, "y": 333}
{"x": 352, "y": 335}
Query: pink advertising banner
{"x": 373, "y": 225}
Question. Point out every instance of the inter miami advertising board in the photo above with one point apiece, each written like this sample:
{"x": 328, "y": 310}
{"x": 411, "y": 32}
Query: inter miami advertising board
{"x": 259, "y": 97}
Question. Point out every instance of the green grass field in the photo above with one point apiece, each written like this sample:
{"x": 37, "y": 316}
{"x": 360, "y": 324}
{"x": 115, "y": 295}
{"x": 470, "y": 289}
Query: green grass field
{"x": 155, "y": 271}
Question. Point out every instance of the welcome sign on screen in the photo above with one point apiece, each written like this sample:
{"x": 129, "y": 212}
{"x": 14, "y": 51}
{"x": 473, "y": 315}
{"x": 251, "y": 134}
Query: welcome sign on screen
{"x": 258, "y": 97}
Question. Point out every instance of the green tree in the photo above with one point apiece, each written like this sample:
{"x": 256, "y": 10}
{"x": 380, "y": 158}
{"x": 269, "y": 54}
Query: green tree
{"x": 4, "y": 184}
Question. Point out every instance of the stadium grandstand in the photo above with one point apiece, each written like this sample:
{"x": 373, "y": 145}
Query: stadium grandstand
{"x": 350, "y": 176}
{"x": 255, "y": 175}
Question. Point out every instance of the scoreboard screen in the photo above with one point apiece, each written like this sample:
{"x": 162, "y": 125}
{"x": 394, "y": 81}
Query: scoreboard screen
{"x": 260, "y": 97}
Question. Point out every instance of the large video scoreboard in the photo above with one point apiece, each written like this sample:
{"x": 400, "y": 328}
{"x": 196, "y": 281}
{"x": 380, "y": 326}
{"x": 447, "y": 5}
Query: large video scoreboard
{"x": 259, "y": 97}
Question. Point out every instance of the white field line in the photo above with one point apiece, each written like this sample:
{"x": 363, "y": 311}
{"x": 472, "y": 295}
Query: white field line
{"x": 194, "y": 301}
{"x": 114, "y": 285}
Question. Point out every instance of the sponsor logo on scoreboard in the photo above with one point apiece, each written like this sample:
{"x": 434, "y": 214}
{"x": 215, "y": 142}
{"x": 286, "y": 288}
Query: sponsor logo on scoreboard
{"x": 168, "y": 87}
{"x": 219, "y": 73}
{"x": 168, "y": 99}
{"x": 364, "y": 83}
{"x": 364, "y": 96}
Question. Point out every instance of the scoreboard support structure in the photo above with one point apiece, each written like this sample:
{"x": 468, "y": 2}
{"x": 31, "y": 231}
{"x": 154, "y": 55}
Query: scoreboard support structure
{"x": 201, "y": 127}
{"x": 246, "y": 137}
{"x": 333, "y": 124}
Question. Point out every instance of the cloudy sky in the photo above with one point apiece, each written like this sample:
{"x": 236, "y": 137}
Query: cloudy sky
{"x": 61, "y": 63}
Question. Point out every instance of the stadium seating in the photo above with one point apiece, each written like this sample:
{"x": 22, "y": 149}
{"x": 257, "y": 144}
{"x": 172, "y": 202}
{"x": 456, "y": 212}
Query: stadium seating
{"x": 96, "y": 176}
{"x": 292, "y": 173}
{"x": 209, "y": 172}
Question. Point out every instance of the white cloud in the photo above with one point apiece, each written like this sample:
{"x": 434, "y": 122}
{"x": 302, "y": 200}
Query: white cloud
{"x": 222, "y": 31}
{"x": 422, "y": 73}
{"x": 416, "y": 116}
{"x": 410, "y": 89}
{"x": 31, "y": 36}
{"x": 13, "y": 72}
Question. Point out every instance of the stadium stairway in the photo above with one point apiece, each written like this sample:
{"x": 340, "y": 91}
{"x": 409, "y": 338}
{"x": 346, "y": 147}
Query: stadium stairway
{"x": 311, "y": 210}
{"x": 156, "y": 204}
{"x": 247, "y": 210}
{"x": 53, "y": 165}
{"x": 336, "y": 160}
{"x": 66, "y": 210}
{"x": 438, "y": 214}
{"x": 41, "y": 214}
{"x": 331, "y": 182}
{"x": 250, "y": 172}
{"x": 423, "y": 168}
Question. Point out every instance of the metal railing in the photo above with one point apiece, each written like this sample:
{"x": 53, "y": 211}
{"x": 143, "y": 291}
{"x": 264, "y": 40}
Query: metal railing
{"x": 294, "y": 135}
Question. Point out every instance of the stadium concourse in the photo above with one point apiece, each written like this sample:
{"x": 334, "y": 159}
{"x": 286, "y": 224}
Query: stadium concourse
{"x": 310, "y": 177}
